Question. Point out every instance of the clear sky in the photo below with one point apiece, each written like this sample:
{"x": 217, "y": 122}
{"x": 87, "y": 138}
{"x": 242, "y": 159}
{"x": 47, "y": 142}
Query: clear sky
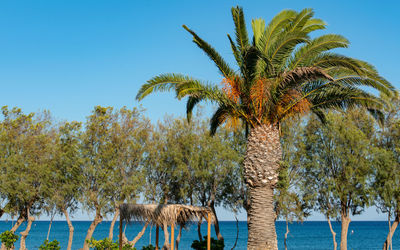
{"x": 68, "y": 56}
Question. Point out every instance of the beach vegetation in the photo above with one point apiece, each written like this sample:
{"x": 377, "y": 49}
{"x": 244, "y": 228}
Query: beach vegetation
{"x": 8, "y": 238}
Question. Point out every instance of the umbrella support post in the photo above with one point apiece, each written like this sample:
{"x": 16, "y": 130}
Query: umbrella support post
{"x": 208, "y": 231}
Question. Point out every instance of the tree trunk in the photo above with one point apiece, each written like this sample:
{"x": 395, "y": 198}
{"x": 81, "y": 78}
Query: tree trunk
{"x": 261, "y": 169}
{"x": 391, "y": 232}
{"x": 166, "y": 237}
{"x": 97, "y": 219}
{"x": 139, "y": 235}
{"x": 71, "y": 229}
{"x": 216, "y": 224}
{"x": 199, "y": 230}
{"x": 286, "y": 234}
{"x": 111, "y": 232}
{"x": 333, "y": 234}
{"x": 18, "y": 223}
{"x": 178, "y": 239}
{"x": 51, "y": 222}
{"x": 25, "y": 233}
{"x": 1, "y": 212}
{"x": 345, "y": 228}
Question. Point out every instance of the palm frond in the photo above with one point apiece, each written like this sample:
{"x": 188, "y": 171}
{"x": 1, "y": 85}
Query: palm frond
{"x": 274, "y": 28}
{"x": 314, "y": 24}
{"x": 242, "y": 38}
{"x": 315, "y": 47}
{"x": 235, "y": 51}
{"x": 223, "y": 66}
{"x": 283, "y": 47}
{"x": 219, "y": 117}
{"x": 300, "y": 21}
{"x": 163, "y": 83}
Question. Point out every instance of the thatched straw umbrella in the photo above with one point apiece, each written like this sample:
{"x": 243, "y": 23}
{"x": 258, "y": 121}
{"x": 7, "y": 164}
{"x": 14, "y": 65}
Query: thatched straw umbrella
{"x": 169, "y": 214}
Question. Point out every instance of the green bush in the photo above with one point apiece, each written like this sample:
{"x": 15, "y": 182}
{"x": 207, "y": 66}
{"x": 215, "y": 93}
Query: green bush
{"x": 202, "y": 245}
{"x": 149, "y": 247}
{"x": 107, "y": 244}
{"x": 8, "y": 238}
{"x": 50, "y": 245}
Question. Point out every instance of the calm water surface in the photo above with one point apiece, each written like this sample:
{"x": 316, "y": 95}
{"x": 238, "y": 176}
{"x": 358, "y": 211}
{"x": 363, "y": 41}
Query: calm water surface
{"x": 309, "y": 235}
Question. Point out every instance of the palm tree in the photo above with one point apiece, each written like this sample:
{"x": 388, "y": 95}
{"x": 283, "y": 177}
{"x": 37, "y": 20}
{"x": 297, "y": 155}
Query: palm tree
{"x": 282, "y": 72}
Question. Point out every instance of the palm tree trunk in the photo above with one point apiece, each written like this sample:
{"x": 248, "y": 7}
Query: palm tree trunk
{"x": 116, "y": 214}
{"x": 333, "y": 234}
{"x": 71, "y": 229}
{"x": 391, "y": 232}
{"x": 345, "y": 228}
{"x": 261, "y": 169}
{"x": 97, "y": 219}
{"x": 25, "y": 233}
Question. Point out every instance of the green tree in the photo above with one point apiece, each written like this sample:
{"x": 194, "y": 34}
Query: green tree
{"x": 281, "y": 72}
{"x": 112, "y": 147}
{"x": 387, "y": 163}
{"x": 338, "y": 165}
{"x": 26, "y": 164}
{"x": 66, "y": 181}
{"x": 99, "y": 158}
{"x": 129, "y": 133}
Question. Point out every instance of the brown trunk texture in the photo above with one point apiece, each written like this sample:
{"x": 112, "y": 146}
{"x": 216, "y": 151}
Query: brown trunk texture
{"x": 286, "y": 234}
{"x": 111, "y": 232}
{"x": 25, "y": 233}
{"x": 51, "y": 222}
{"x": 178, "y": 239}
{"x": 166, "y": 237}
{"x": 216, "y": 224}
{"x": 199, "y": 230}
{"x": 261, "y": 170}
{"x": 333, "y": 234}
{"x": 71, "y": 229}
{"x": 345, "y": 228}
{"x": 390, "y": 234}
{"x": 98, "y": 218}
{"x": 18, "y": 223}
{"x": 139, "y": 235}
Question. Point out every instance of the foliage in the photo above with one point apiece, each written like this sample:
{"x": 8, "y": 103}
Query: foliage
{"x": 387, "y": 162}
{"x": 338, "y": 163}
{"x": 8, "y": 239}
{"x": 281, "y": 72}
{"x": 107, "y": 244}
{"x": 149, "y": 247}
{"x": 50, "y": 245}
{"x": 290, "y": 203}
{"x": 202, "y": 245}
{"x": 185, "y": 164}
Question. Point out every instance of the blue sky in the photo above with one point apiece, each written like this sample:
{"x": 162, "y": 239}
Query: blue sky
{"x": 68, "y": 56}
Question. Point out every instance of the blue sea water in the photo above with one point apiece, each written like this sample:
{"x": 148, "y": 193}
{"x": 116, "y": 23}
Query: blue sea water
{"x": 308, "y": 235}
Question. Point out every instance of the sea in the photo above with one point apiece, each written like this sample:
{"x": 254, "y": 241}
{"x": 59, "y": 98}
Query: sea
{"x": 306, "y": 235}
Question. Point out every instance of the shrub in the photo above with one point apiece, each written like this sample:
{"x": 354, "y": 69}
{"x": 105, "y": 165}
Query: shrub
{"x": 149, "y": 247}
{"x": 202, "y": 245}
{"x": 8, "y": 238}
{"x": 50, "y": 245}
{"x": 107, "y": 244}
